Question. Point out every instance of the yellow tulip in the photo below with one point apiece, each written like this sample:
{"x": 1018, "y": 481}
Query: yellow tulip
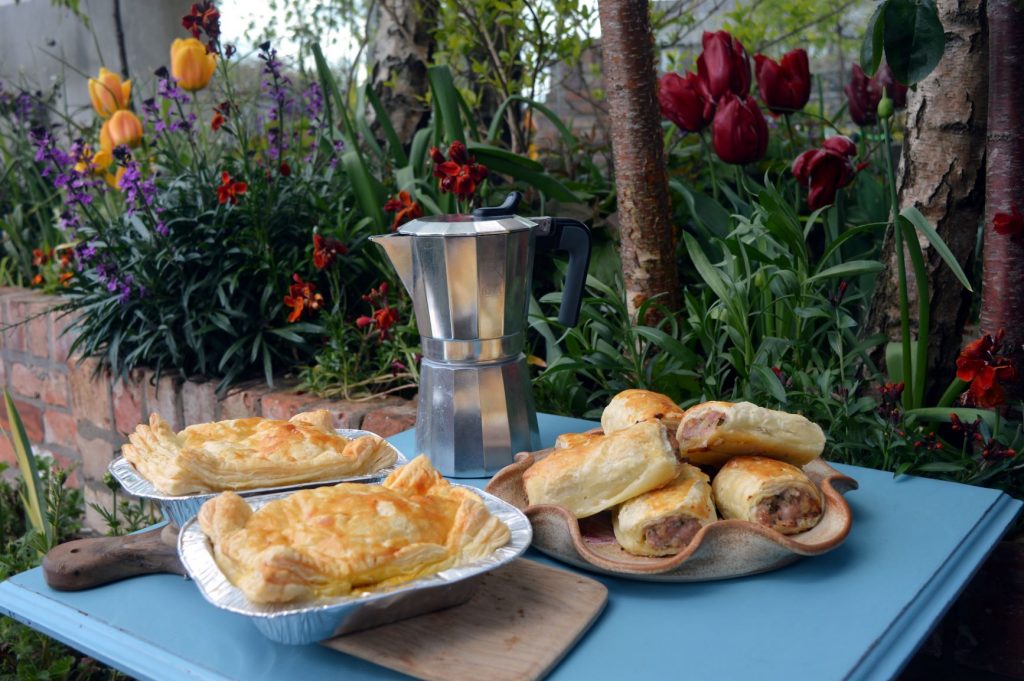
{"x": 94, "y": 163}
{"x": 191, "y": 65}
{"x": 123, "y": 127}
{"x": 114, "y": 180}
{"x": 108, "y": 93}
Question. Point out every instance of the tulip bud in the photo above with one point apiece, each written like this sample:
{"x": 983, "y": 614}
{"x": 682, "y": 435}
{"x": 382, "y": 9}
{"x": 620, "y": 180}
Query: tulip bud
{"x": 863, "y": 94}
{"x": 739, "y": 132}
{"x": 123, "y": 128}
{"x": 191, "y": 65}
{"x": 108, "y": 93}
{"x": 724, "y": 65}
{"x": 885, "y": 107}
{"x": 685, "y": 101}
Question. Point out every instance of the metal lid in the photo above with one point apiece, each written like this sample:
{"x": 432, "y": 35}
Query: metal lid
{"x": 464, "y": 225}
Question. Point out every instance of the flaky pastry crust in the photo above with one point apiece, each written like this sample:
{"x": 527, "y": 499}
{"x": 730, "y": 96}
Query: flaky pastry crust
{"x": 249, "y": 453}
{"x": 330, "y": 540}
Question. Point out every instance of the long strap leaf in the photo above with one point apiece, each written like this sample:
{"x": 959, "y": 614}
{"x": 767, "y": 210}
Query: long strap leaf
{"x": 34, "y": 503}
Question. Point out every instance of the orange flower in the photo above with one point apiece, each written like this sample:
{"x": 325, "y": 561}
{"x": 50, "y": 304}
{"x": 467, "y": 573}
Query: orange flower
{"x": 191, "y": 65}
{"x": 123, "y": 127}
{"x": 230, "y": 190}
{"x": 217, "y": 121}
{"x": 41, "y": 257}
{"x": 984, "y": 368}
{"x": 302, "y": 298}
{"x": 326, "y": 250}
{"x": 404, "y": 208}
{"x": 108, "y": 93}
{"x": 64, "y": 278}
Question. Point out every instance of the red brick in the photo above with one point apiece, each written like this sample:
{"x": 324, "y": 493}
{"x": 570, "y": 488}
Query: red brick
{"x": 62, "y": 336}
{"x": 389, "y": 421}
{"x": 243, "y": 401}
{"x": 198, "y": 401}
{"x": 97, "y": 454}
{"x": 56, "y": 391}
{"x": 127, "y": 396}
{"x": 60, "y": 428}
{"x": 31, "y": 418}
{"x": 3, "y": 373}
{"x": 27, "y": 381}
{"x": 38, "y": 330}
{"x": 97, "y": 493}
{"x": 284, "y": 405}
{"x": 90, "y": 392}
{"x": 163, "y": 397}
{"x": 7, "y": 452}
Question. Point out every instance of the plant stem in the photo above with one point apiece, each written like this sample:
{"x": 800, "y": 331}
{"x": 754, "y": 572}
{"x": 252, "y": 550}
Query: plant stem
{"x": 711, "y": 164}
{"x": 901, "y": 267}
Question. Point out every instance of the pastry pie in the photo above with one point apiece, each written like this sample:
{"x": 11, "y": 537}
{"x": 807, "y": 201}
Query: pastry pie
{"x": 634, "y": 406}
{"x": 249, "y": 453}
{"x": 768, "y": 492}
{"x": 663, "y": 521}
{"x": 603, "y": 471}
{"x": 713, "y": 432}
{"x": 568, "y": 440}
{"x": 329, "y": 541}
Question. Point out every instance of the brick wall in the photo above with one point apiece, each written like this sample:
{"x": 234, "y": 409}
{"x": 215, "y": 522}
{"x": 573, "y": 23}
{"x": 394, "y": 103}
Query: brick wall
{"x": 80, "y": 416}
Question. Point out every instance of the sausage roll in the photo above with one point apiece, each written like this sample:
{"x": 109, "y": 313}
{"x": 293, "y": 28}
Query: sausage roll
{"x": 768, "y": 492}
{"x": 330, "y": 540}
{"x": 253, "y": 452}
{"x": 605, "y": 471}
{"x": 634, "y": 406}
{"x": 713, "y": 432}
{"x": 662, "y": 522}
{"x": 567, "y": 440}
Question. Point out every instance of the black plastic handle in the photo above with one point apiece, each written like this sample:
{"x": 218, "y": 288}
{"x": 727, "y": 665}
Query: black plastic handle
{"x": 505, "y": 210}
{"x": 572, "y": 236}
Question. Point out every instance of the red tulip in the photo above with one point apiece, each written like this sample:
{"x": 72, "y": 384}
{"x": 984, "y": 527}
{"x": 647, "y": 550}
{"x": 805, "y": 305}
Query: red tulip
{"x": 724, "y": 65}
{"x": 686, "y": 101}
{"x": 896, "y": 90}
{"x": 824, "y": 171}
{"x": 785, "y": 86}
{"x": 739, "y": 131}
{"x": 864, "y": 94}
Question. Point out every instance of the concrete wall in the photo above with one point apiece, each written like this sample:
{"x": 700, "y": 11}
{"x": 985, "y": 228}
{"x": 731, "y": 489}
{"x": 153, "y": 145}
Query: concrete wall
{"x": 35, "y": 37}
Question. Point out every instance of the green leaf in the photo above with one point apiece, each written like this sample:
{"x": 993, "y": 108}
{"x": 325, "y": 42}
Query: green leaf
{"x": 34, "y": 503}
{"x": 872, "y": 47}
{"x": 914, "y": 39}
{"x": 940, "y": 467}
{"x": 852, "y": 268}
{"x": 914, "y": 216}
{"x": 705, "y": 269}
{"x": 524, "y": 170}
{"x": 394, "y": 144}
{"x": 771, "y": 381}
{"x": 365, "y": 187}
{"x": 442, "y": 86}
{"x": 942, "y": 414}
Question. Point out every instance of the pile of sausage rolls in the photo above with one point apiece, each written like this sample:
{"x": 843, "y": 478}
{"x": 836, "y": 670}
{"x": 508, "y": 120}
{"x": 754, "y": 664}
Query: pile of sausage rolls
{"x": 651, "y": 467}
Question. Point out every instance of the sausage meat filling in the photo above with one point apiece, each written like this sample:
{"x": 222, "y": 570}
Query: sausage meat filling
{"x": 784, "y": 511}
{"x": 672, "y": 533}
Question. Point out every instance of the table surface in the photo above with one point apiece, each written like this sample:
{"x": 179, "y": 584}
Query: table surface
{"x": 858, "y": 612}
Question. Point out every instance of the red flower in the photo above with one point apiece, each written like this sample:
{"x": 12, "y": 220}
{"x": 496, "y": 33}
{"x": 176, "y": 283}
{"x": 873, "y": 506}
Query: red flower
{"x": 230, "y": 190}
{"x": 217, "y": 121}
{"x": 384, "y": 316}
{"x": 1009, "y": 224}
{"x": 739, "y": 131}
{"x": 896, "y": 90}
{"x": 203, "y": 18}
{"x": 724, "y": 65}
{"x": 863, "y": 94}
{"x": 785, "y": 86}
{"x": 41, "y": 257}
{"x": 460, "y": 174}
{"x": 302, "y": 298}
{"x": 824, "y": 171}
{"x": 984, "y": 368}
{"x": 285, "y": 169}
{"x": 685, "y": 101}
{"x": 404, "y": 208}
{"x": 326, "y": 251}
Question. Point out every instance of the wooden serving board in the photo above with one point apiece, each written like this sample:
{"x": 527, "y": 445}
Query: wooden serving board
{"x": 522, "y": 620}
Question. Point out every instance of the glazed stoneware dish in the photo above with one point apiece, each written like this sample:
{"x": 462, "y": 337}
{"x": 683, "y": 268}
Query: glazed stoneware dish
{"x": 720, "y": 550}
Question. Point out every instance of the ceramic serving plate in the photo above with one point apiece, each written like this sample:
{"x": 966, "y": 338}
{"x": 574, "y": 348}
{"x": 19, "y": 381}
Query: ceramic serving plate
{"x": 721, "y": 550}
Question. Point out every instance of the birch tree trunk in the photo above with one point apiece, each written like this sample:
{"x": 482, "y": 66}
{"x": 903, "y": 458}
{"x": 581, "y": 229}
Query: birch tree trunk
{"x": 942, "y": 173}
{"x": 401, "y": 49}
{"x": 1002, "y": 299}
{"x": 647, "y": 244}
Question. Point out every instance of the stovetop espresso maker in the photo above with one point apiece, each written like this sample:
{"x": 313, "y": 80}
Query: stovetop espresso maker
{"x": 469, "y": 278}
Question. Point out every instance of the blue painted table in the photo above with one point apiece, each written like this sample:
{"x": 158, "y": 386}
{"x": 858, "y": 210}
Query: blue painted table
{"x": 858, "y": 612}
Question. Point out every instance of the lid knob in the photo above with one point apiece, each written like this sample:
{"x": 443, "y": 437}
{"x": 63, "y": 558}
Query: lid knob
{"x": 505, "y": 210}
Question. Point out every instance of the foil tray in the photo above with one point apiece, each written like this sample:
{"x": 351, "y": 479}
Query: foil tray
{"x": 304, "y": 623}
{"x": 179, "y": 509}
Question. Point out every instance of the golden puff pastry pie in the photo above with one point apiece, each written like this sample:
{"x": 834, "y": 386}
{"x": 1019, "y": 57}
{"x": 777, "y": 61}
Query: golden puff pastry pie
{"x": 249, "y": 453}
{"x": 768, "y": 492}
{"x": 633, "y": 406}
{"x": 567, "y": 440}
{"x": 713, "y": 432}
{"x": 663, "y": 521}
{"x": 605, "y": 471}
{"x": 327, "y": 541}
